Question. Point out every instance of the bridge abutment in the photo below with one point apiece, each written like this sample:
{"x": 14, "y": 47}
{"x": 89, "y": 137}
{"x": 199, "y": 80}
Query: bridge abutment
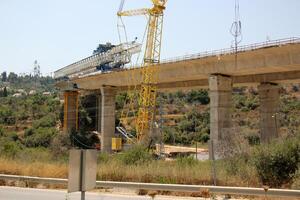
{"x": 107, "y": 124}
{"x": 269, "y": 105}
{"x": 220, "y": 92}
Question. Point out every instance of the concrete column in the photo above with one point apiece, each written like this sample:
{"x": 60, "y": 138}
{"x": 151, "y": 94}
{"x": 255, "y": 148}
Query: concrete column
{"x": 98, "y": 111}
{"x": 269, "y": 105}
{"x": 107, "y": 117}
{"x": 71, "y": 99}
{"x": 220, "y": 92}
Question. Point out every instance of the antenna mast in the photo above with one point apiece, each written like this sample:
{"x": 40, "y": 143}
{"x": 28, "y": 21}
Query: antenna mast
{"x": 236, "y": 29}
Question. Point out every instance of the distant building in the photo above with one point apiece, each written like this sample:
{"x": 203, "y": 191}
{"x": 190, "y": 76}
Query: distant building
{"x": 46, "y": 93}
{"x": 17, "y": 95}
{"x": 32, "y": 92}
{"x": 22, "y": 91}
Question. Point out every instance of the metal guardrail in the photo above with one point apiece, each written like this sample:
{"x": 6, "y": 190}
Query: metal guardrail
{"x": 167, "y": 187}
{"x": 250, "y": 47}
{"x": 34, "y": 179}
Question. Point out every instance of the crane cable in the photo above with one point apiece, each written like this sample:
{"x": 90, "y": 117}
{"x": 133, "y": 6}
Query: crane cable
{"x": 120, "y": 23}
{"x": 131, "y": 93}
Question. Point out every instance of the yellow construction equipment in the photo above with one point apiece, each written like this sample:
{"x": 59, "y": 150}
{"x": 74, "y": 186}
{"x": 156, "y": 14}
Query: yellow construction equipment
{"x": 116, "y": 144}
{"x": 148, "y": 89}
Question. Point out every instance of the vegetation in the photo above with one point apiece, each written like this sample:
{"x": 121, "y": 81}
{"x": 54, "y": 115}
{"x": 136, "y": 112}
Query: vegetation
{"x": 26, "y": 82}
{"x": 31, "y": 142}
{"x": 194, "y": 127}
{"x": 278, "y": 163}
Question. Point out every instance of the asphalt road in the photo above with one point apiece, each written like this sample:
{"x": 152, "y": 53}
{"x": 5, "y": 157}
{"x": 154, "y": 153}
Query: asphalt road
{"x": 15, "y": 193}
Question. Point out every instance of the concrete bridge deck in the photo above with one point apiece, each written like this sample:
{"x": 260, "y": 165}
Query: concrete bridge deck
{"x": 275, "y": 61}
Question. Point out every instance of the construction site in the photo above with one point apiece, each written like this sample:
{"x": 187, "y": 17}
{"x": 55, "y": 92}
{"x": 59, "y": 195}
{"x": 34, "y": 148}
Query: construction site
{"x": 110, "y": 71}
{"x": 218, "y": 124}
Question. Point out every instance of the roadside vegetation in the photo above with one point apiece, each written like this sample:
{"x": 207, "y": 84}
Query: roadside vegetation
{"x": 31, "y": 142}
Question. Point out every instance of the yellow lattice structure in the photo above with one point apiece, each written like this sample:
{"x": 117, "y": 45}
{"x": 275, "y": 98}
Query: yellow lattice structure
{"x": 148, "y": 88}
{"x": 71, "y": 99}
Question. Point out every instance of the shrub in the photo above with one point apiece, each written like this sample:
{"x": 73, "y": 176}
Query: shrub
{"x": 13, "y": 136}
{"x": 46, "y": 121}
{"x": 28, "y": 132}
{"x": 1, "y": 131}
{"x": 245, "y": 103}
{"x": 204, "y": 137}
{"x": 168, "y": 135}
{"x": 136, "y": 155}
{"x": 198, "y": 96}
{"x": 253, "y": 139}
{"x": 41, "y": 137}
{"x": 60, "y": 144}
{"x": 276, "y": 164}
{"x": 9, "y": 148}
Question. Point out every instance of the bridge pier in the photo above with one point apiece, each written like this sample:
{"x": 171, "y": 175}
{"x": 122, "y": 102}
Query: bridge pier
{"x": 220, "y": 92}
{"x": 71, "y": 99}
{"x": 269, "y": 105}
{"x": 107, "y": 123}
{"x": 98, "y": 111}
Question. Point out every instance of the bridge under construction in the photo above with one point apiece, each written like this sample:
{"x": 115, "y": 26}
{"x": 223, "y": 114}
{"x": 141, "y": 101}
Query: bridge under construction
{"x": 266, "y": 64}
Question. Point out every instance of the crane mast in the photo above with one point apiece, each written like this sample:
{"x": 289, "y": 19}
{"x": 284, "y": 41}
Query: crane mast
{"x": 148, "y": 89}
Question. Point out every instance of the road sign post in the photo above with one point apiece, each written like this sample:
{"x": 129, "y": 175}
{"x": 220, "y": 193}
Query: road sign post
{"x": 82, "y": 171}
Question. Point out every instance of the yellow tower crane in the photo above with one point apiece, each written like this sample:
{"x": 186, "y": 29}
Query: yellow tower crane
{"x": 148, "y": 89}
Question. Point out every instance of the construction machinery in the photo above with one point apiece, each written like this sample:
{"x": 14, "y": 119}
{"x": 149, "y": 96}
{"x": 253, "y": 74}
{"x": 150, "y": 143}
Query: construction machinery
{"x": 105, "y": 58}
{"x": 148, "y": 88}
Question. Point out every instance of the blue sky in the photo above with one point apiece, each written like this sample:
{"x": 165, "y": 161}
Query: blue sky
{"x": 59, "y": 32}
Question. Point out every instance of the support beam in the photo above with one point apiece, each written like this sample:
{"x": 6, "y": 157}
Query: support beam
{"x": 220, "y": 92}
{"x": 107, "y": 117}
{"x": 71, "y": 99}
{"x": 269, "y": 105}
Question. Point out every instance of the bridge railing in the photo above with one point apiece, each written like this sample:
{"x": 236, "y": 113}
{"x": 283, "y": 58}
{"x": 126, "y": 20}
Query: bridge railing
{"x": 91, "y": 62}
{"x": 226, "y": 51}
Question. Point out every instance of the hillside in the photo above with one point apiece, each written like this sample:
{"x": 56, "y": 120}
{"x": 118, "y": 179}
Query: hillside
{"x": 30, "y": 133}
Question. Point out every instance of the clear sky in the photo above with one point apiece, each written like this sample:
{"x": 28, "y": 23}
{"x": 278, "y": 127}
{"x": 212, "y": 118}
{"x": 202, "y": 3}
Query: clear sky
{"x": 59, "y": 32}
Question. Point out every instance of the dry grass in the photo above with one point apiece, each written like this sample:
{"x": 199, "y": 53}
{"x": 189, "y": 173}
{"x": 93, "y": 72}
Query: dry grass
{"x": 42, "y": 169}
{"x": 173, "y": 172}
{"x": 156, "y": 171}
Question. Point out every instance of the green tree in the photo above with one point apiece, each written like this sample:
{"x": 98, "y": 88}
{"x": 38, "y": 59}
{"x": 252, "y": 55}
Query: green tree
{"x": 12, "y": 77}
{"x": 5, "y": 92}
{"x": 4, "y": 76}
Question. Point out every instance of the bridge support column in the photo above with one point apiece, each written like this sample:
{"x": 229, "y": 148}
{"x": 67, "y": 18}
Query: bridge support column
{"x": 107, "y": 118}
{"x": 269, "y": 105}
{"x": 220, "y": 92}
{"x": 71, "y": 99}
{"x": 98, "y": 111}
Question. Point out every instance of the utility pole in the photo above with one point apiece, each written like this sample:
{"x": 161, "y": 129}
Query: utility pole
{"x": 36, "y": 72}
{"x": 161, "y": 121}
